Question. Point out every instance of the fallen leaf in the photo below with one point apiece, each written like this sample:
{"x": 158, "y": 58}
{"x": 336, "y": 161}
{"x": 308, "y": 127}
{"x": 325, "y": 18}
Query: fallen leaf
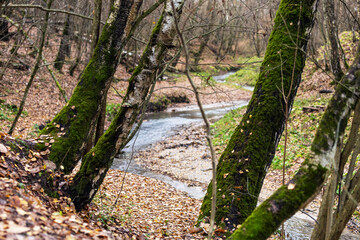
{"x": 16, "y": 229}
{"x": 3, "y": 149}
{"x": 291, "y": 186}
{"x": 50, "y": 165}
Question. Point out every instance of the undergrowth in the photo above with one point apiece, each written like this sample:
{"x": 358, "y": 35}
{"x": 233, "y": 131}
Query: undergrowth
{"x": 249, "y": 72}
{"x": 8, "y": 113}
{"x": 302, "y": 128}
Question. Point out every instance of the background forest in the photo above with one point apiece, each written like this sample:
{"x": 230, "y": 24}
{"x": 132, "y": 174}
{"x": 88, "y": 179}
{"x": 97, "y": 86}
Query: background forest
{"x": 78, "y": 78}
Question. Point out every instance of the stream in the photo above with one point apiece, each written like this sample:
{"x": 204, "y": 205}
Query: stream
{"x": 159, "y": 126}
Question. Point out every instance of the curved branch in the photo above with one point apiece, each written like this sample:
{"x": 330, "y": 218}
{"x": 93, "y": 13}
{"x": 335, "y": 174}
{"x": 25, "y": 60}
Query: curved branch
{"x": 49, "y": 10}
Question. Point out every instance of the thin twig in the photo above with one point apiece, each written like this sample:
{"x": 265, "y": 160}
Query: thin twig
{"x": 207, "y": 124}
{"x": 49, "y": 10}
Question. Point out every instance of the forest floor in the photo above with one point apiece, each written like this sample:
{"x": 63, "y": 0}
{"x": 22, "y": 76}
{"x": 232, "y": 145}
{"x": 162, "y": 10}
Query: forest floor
{"x": 126, "y": 207}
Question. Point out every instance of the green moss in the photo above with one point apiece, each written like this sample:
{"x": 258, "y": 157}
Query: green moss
{"x": 19, "y": 145}
{"x": 282, "y": 204}
{"x": 71, "y": 126}
{"x": 97, "y": 162}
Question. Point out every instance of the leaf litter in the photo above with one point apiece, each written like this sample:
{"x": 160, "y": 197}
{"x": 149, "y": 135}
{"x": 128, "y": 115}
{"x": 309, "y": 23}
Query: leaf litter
{"x": 145, "y": 208}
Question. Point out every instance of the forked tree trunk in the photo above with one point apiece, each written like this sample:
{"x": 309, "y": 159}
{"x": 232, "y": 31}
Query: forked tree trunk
{"x": 243, "y": 164}
{"x": 97, "y": 162}
{"x": 100, "y": 123}
{"x": 293, "y": 196}
{"x": 72, "y": 126}
{"x": 332, "y": 222}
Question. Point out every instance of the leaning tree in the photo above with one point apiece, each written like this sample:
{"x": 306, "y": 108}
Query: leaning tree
{"x": 243, "y": 164}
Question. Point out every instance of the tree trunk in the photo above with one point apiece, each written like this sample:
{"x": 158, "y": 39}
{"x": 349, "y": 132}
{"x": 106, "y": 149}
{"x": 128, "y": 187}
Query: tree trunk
{"x": 244, "y": 162}
{"x": 4, "y": 30}
{"x": 328, "y": 219}
{"x": 72, "y": 126}
{"x": 65, "y": 46}
{"x": 332, "y": 34}
{"x": 293, "y": 196}
{"x": 345, "y": 214}
{"x": 96, "y": 24}
{"x": 205, "y": 38}
{"x": 97, "y": 162}
{"x": 76, "y": 63}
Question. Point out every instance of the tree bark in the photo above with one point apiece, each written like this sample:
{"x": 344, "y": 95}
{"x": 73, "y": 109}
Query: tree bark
{"x": 65, "y": 46}
{"x": 4, "y": 30}
{"x": 244, "y": 162}
{"x": 72, "y": 126}
{"x": 79, "y": 53}
{"x": 293, "y": 196}
{"x": 96, "y": 24}
{"x": 97, "y": 162}
{"x": 328, "y": 219}
{"x": 332, "y": 34}
{"x": 350, "y": 205}
{"x": 205, "y": 39}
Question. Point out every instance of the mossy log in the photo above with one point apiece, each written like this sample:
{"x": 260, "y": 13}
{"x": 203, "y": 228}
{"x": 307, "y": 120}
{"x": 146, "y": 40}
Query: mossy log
{"x": 97, "y": 162}
{"x": 244, "y": 162}
{"x": 290, "y": 198}
{"x": 72, "y": 126}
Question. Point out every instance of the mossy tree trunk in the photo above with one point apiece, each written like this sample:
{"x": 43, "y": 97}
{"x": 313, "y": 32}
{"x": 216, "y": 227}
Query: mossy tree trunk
{"x": 288, "y": 199}
{"x": 332, "y": 220}
{"x": 100, "y": 123}
{"x": 244, "y": 162}
{"x": 72, "y": 126}
{"x": 97, "y": 162}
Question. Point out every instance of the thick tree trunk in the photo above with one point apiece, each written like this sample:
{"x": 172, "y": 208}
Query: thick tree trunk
{"x": 97, "y": 162}
{"x": 72, "y": 126}
{"x": 244, "y": 162}
{"x": 293, "y": 196}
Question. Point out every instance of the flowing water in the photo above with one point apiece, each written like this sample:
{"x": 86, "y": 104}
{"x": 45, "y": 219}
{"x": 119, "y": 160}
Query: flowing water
{"x": 159, "y": 126}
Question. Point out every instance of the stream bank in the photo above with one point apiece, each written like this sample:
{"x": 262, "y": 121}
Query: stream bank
{"x": 185, "y": 158}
